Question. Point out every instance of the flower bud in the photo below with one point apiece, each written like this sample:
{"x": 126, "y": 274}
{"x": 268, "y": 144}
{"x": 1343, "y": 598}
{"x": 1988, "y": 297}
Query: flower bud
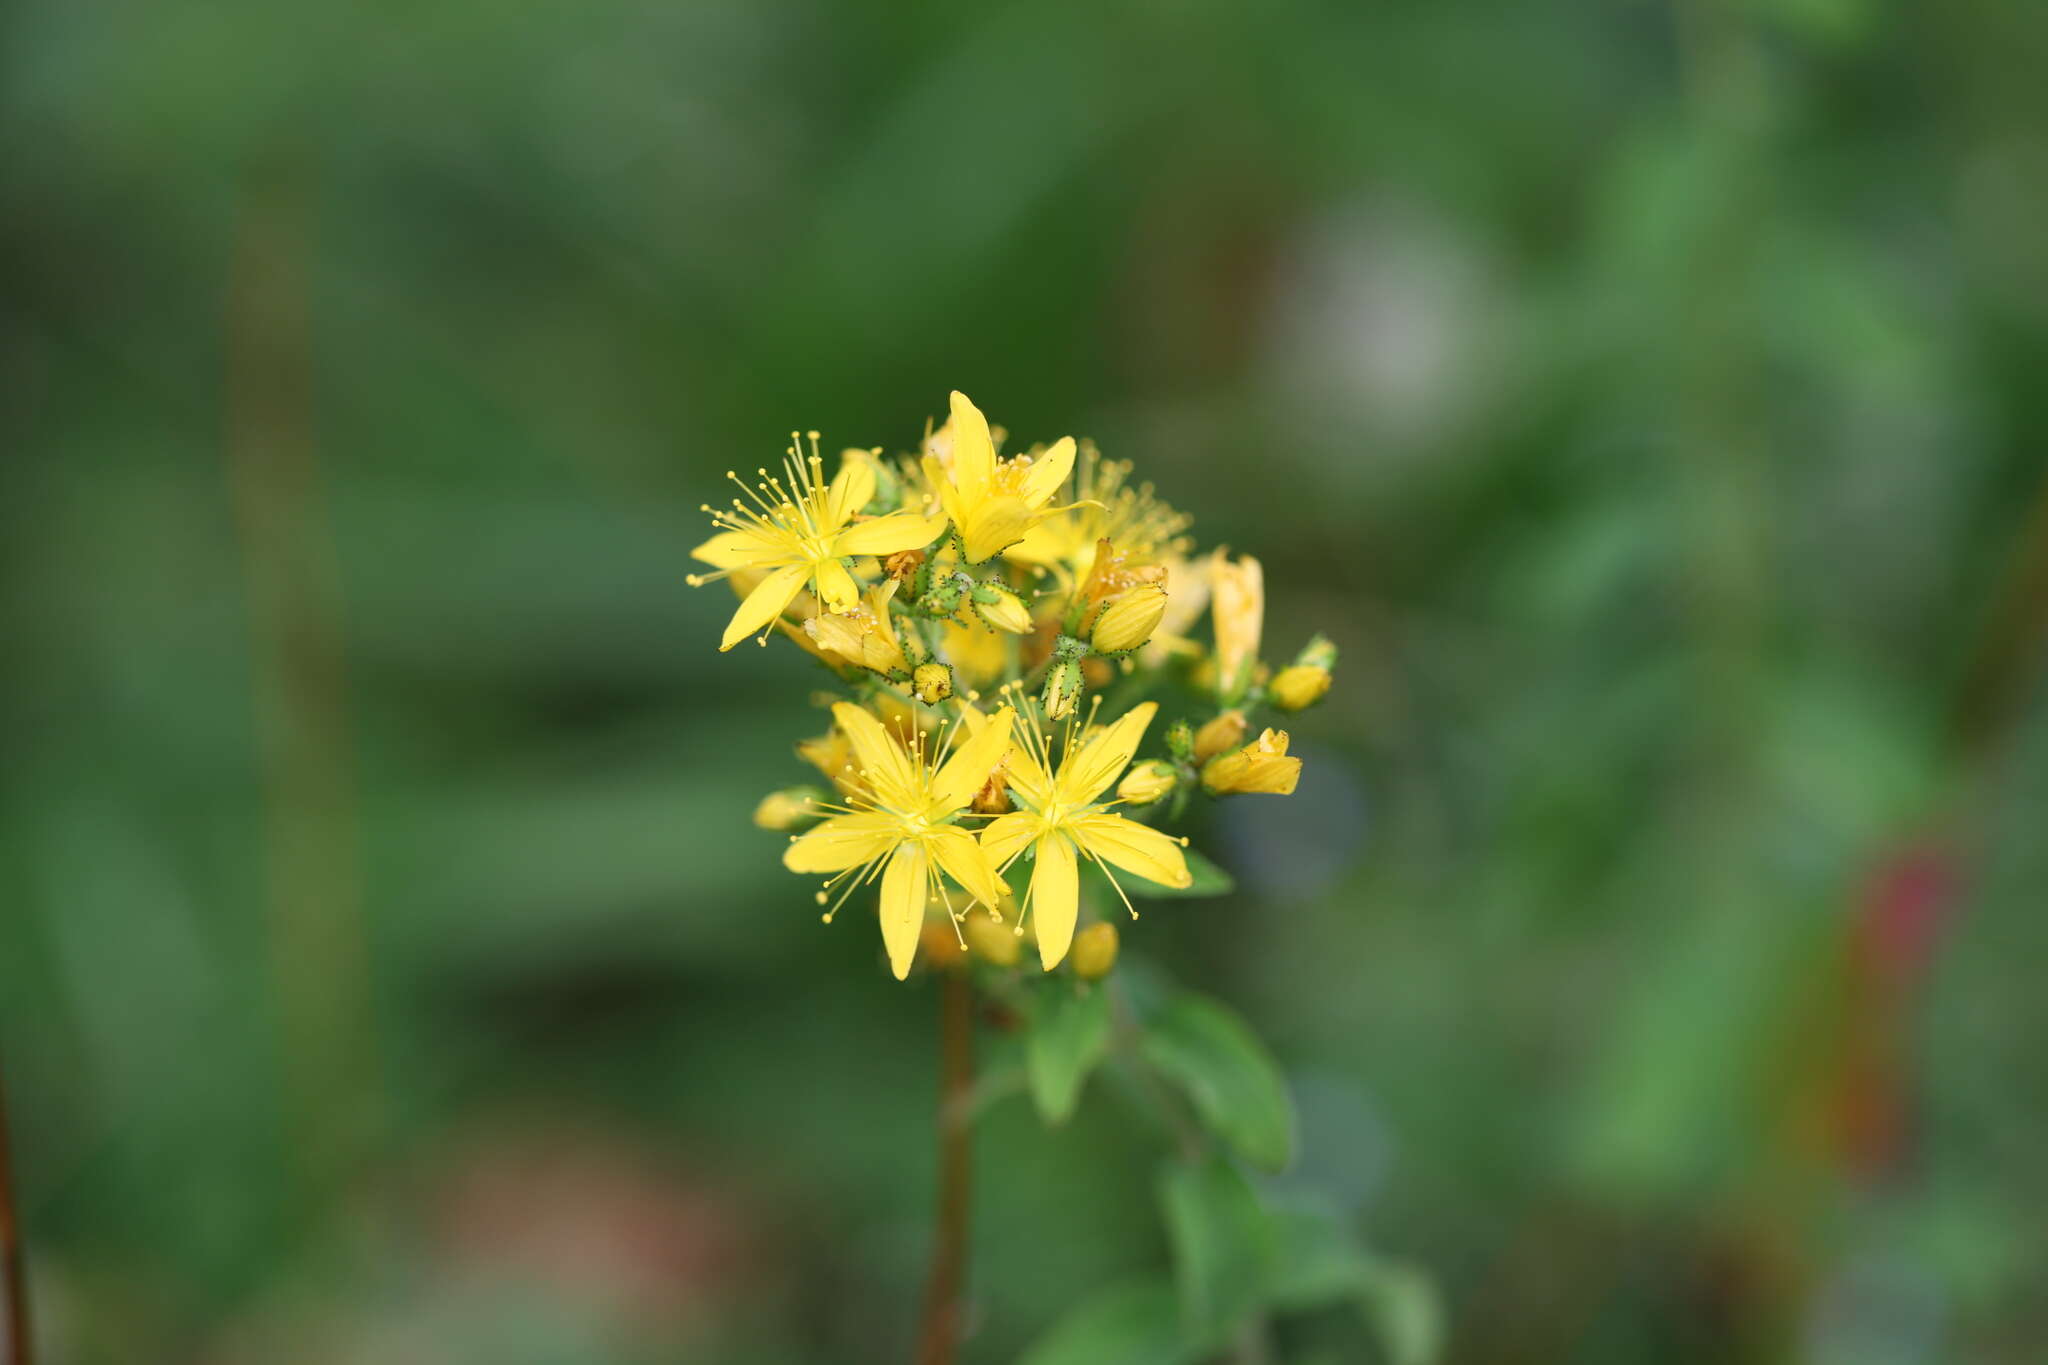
{"x": 1180, "y": 741}
{"x": 1062, "y": 688}
{"x": 1129, "y": 619}
{"x": 1318, "y": 653}
{"x": 1237, "y": 611}
{"x": 1226, "y": 731}
{"x": 992, "y": 940}
{"x": 999, "y": 607}
{"x": 1261, "y": 766}
{"x": 1094, "y": 951}
{"x": 1149, "y": 781}
{"x": 791, "y": 808}
{"x": 1299, "y": 686}
{"x": 932, "y": 682}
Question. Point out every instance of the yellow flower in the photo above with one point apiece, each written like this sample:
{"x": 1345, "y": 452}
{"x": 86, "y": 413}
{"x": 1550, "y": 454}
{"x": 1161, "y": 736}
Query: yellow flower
{"x": 1261, "y": 766}
{"x": 1238, "y": 613}
{"x": 1189, "y": 581}
{"x": 1064, "y": 816}
{"x": 1102, "y": 505}
{"x": 993, "y": 503}
{"x": 864, "y": 637}
{"x": 902, "y": 828}
{"x": 800, "y": 534}
{"x": 1129, "y": 619}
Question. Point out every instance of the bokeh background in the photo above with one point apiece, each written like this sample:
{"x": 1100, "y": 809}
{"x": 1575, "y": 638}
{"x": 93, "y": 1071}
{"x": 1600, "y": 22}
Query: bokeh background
{"x": 1647, "y": 398}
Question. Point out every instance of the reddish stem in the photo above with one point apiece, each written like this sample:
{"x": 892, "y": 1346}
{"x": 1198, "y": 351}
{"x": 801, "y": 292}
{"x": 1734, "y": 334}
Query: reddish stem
{"x": 940, "y": 1332}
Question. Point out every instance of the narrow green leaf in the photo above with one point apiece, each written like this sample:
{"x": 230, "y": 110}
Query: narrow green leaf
{"x": 1227, "y": 1073}
{"x": 1068, "y": 1036}
{"x": 1129, "y": 1324}
{"x": 1209, "y": 880}
{"x": 1222, "y": 1245}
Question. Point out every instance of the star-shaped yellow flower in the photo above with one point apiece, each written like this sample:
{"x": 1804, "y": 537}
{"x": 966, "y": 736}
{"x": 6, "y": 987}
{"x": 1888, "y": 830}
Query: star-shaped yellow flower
{"x": 802, "y": 534}
{"x": 901, "y": 825}
{"x": 1064, "y": 814}
{"x": 993, "y": 503}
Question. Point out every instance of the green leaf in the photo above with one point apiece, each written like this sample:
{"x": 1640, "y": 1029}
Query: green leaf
{"x": 1068, "y": 1037}
{"x": 1232, "y": 1080}
{"x": 1319, "y": 1263}
{"x": 1209, "y": 880}
{"x": 1222, "y": 1245}
{"x": 1130, "y": 1324}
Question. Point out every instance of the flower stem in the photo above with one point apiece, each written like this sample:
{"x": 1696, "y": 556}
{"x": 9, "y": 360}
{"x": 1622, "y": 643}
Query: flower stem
{"x": 940, "y": 1332}
{"x": 19, "y": 1350}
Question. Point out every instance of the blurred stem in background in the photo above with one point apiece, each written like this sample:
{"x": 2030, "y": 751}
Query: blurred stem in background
{"x": 12, "y": 1267}
{"x": 299, "y": 686}
{"x": 941, "y": 1330}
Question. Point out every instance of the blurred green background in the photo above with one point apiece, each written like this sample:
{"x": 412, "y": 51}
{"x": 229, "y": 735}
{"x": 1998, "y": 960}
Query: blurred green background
{"x": 1647, "y": 399}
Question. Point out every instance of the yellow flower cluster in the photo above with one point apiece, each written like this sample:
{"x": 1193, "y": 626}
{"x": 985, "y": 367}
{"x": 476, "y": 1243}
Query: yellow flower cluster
{"x": 970, "y": 602}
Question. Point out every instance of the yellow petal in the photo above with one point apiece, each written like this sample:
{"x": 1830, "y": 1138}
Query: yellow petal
{"x": 737, "y": 549}
{"x": 903, "y": 893}
{"x": 966, "y": 862}
{"x": 843, "y": 841}
{"x": 881, "y": 760}
{"x": 1135, "y": 848}
{"x": 770, "y": 597}
{"x": 1005, "y": 836}
{"x": 850, "y": 489}
{"x": 1055, "y": 898}
{"x": 1087, "y": 774}
{"x": 887, "y": 535}
{"x": 972, "y": 762}
{"x": 1048, "y": 471}
{"x": 974, "y": 453}
{"x": 992, "y": 525}
{"x": 837, "y": 586}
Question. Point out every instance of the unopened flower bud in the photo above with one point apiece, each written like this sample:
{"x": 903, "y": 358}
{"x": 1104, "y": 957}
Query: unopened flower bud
{"x": 940, "y": 949}
{"x": 1094, "y": 951}
{"x": 932, "y": 682}
{"x": 1180, "y": 741}
{"x": 999, "y": 607}
{"x": 1149, "y": 781}
{"x": 792, "y": 808}
{"x": 1062, "y": 689}
{"x": 1318, "y": 653}
{"x": 1261, "y": 766}
{"x": 991, "y": 940}
{"x": 1129, "y": 620}
{"x": 1299, "y": 686}
{"x": 1226, "y": 731}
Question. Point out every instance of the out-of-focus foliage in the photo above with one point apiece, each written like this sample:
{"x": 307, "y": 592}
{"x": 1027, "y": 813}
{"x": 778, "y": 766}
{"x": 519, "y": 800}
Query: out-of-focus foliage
{"x": 1645, "y": 399}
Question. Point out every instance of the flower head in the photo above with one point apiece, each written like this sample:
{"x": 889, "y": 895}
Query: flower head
{"x": 902, "y": 827}
{"x": 1261, "y": 766}
{"x": 800, "y": 534}
{"x": 1062, "y": 817}
{"x": 992, "y": 503}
